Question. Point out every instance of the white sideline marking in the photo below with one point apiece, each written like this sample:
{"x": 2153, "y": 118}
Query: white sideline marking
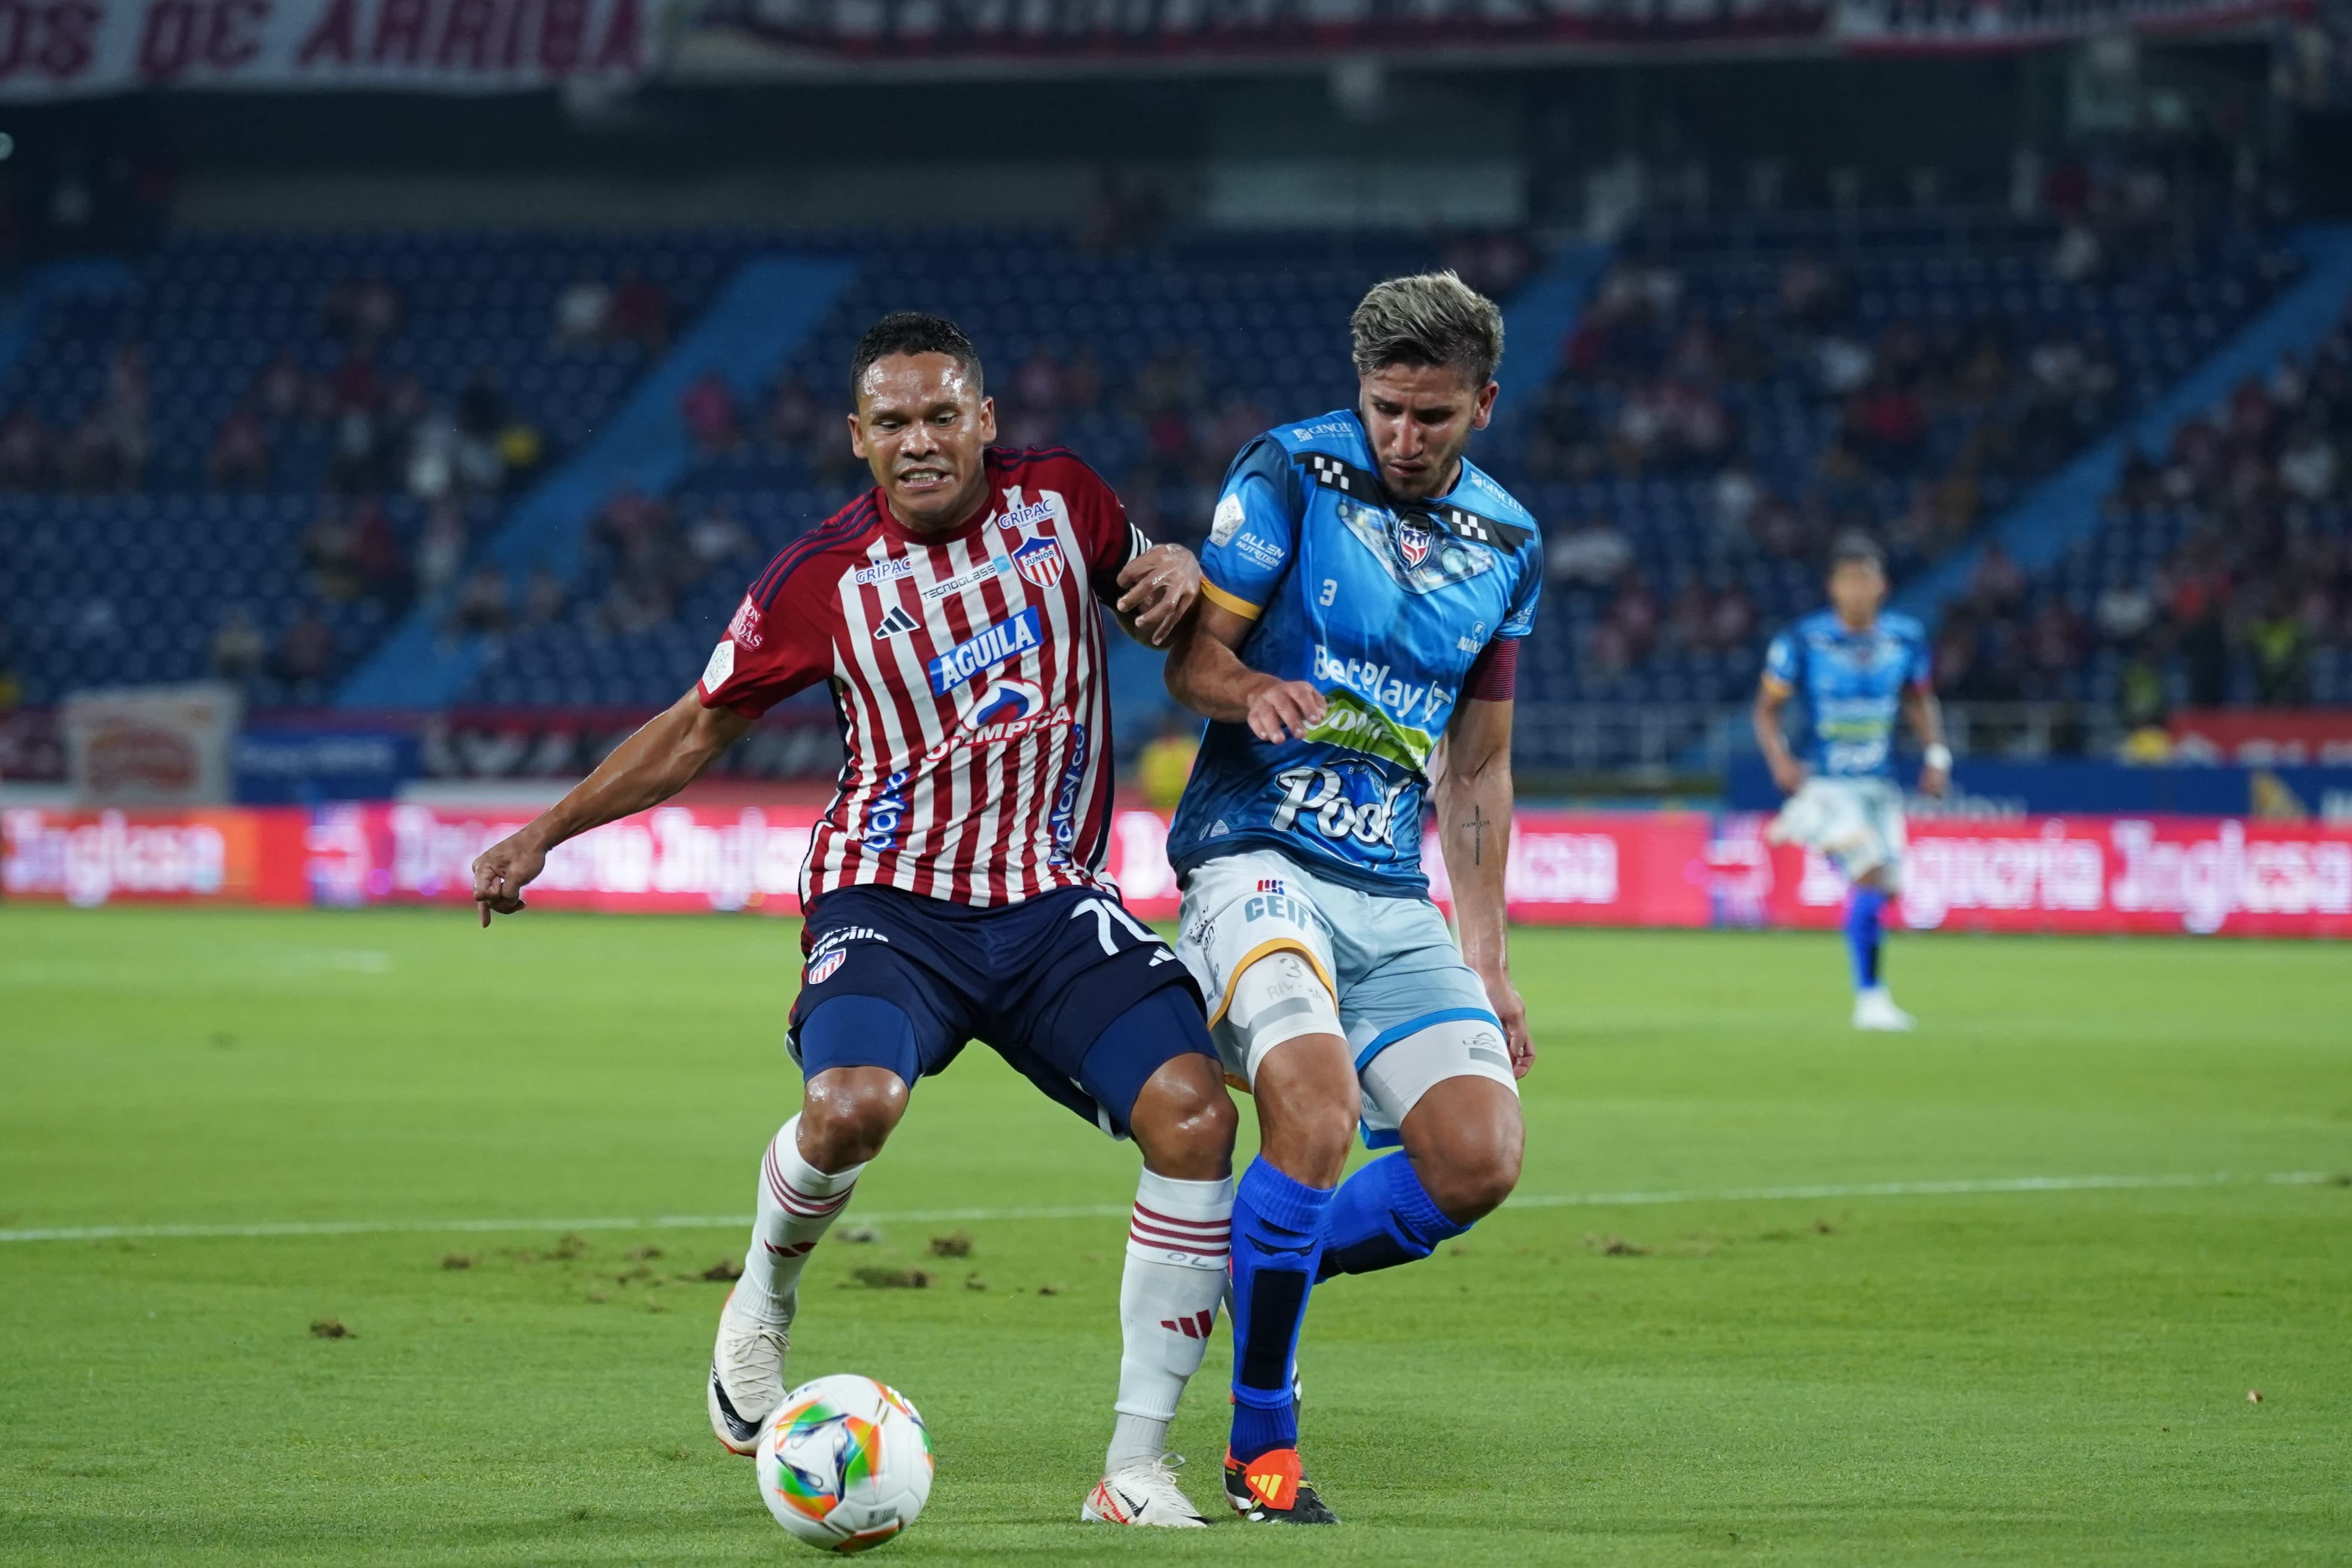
{"x": 1113, "y": 1211}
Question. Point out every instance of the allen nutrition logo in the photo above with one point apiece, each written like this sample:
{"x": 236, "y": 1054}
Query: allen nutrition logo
{"x": 1040, "y": 563}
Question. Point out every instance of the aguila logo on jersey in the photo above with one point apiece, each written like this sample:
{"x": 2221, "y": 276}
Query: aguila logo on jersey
{"x": 1040, "y": 563}
{"x": 1413, "y": 542}
{"x": 824, "y": 968}
{"x": 989, "y": 646}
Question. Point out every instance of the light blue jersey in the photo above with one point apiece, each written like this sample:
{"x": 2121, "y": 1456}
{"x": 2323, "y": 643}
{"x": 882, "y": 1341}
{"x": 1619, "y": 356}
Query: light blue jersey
{"x": 1383, "y": 608}
{"x": 1853, "y": 685}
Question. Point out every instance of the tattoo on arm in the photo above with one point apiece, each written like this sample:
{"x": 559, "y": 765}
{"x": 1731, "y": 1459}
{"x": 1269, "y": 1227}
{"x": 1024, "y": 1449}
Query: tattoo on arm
{"x": 1478, "y": 825}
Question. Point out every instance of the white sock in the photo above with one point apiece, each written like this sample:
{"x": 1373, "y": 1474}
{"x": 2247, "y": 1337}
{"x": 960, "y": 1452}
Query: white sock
{"x": 1178, "y": 1241}
{"x": 797, "y": 1203}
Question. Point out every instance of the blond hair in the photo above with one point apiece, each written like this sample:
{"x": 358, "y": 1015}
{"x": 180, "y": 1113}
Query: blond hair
{"x": 1429, "y": 319}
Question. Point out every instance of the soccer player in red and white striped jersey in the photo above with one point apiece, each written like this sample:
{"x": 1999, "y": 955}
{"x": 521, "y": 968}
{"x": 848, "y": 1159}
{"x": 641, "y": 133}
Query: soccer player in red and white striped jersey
{"x": 954, "y": 887}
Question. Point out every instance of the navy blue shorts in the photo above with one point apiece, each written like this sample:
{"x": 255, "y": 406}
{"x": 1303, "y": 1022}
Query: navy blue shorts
{"x": 897, "y": 981}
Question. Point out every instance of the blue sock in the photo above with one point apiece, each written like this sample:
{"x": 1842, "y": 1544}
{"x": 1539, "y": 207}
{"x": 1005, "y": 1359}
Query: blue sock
{"x": 1277, "y": 1239}
{"x": 1862, "y": 932}
{"x": 1382, "y": 1216}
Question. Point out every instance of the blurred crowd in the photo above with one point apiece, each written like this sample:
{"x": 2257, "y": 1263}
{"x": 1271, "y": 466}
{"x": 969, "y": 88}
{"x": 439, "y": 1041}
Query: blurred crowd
{"x": 2260, "y": 582}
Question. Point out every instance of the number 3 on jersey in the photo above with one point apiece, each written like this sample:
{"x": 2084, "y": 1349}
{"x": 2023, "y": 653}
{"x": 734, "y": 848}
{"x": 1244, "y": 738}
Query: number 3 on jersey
{"x": 1108, "y": 914}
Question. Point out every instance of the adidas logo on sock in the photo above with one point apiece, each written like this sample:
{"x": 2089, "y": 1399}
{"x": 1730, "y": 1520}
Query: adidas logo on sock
{"x": 1195, "y": 1327}
{"x": 894, "y": 624}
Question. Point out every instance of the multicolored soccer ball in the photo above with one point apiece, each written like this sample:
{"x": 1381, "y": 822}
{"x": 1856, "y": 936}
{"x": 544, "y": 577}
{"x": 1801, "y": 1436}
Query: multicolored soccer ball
{"x": 844, "y": 1463}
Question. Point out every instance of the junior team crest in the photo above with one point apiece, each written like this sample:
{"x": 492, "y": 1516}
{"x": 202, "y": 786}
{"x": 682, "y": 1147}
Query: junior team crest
{"x": 824, "y": 968}
{"x": 1040, "y": 563}
{"x": 1412, "y": 543}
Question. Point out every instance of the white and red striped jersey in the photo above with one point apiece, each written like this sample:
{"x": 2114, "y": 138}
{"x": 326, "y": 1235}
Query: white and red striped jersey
{"x": 968, "y": 671}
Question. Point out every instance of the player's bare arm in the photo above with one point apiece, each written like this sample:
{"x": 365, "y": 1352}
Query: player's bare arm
{"x": 1158, "y": 587}
{"x": 1788, "y": 773}
{"x": 1925, "y": 717}
{"x": 1472, "y": 792}
{"x": 668, "y": 753}
{"x": 1205, "y": 673}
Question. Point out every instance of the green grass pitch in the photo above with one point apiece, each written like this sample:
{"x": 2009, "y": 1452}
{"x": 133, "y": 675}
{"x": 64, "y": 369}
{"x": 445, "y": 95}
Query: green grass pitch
{"x": 1995, "y": 1374}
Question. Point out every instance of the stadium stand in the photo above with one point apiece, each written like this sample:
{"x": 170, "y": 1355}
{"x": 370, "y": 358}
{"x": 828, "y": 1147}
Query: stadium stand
{"x": 321, "y": 436}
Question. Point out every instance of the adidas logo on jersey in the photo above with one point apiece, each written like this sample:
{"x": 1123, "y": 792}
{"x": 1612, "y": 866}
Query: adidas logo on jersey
{"x": 1195, "y": 1327}
{"x": 897, "y": 621}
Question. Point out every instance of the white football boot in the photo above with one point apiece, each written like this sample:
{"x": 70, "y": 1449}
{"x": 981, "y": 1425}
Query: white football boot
{"x": 747, "y": 1375}
{"x": 1875, "y": 1010}
{"x": 1143, "y": 1494}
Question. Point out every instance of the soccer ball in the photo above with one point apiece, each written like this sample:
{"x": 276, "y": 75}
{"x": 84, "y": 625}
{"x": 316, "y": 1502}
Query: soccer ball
{"x": 844, "y": 1463}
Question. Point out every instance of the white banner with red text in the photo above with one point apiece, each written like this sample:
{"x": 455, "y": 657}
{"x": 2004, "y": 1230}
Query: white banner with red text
{"x": 72, "y": 49}
{"x": 2195, "y": 876}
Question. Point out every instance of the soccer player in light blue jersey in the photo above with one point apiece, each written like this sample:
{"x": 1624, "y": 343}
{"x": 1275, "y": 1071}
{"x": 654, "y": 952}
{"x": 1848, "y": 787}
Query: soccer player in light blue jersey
{"x": 1365, "y": 587}
{"x": 1856, "y": 667}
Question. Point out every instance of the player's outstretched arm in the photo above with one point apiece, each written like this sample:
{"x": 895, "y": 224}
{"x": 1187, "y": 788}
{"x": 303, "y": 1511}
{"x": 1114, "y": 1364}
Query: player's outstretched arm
{"x": 1205, "y": 673}
{"x": 668, "y": 752}
{"x": 1157, "y": 588}
{"x": 1788, "y": 773}
{"x": 1473, "y": 795}
{"x": 1927, "y": 716}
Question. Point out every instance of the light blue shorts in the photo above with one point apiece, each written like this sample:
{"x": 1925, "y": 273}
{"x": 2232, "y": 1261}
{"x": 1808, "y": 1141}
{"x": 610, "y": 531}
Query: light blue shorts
{"x": 1411, "y": 1011}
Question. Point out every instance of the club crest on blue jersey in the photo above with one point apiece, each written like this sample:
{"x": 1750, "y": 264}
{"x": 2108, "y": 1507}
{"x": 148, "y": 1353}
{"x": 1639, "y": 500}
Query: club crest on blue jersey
{"x": 824, "y": 968}
{"x": 1412, "y": 543}
{"x": 1040, "y": 563}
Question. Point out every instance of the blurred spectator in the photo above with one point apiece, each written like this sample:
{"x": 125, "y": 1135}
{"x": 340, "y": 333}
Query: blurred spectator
{"x": 282, "y": 392}
{"x": 583, "y": 310}
{"x": 543, "y": 597}
{"x": 709, "y": 407}
{"x": 714, "y": 539}
{"x": 238, "y": 648}
{"x": 240, "y": 454}
{"x": 442, "y": 550}
{"x": 1593, "y": 554}
{"x": 482, "y": 424}
{"x": 125, "y": 410}
{"x": 1166, "y": 763}
{"x": 375, "y": 553}
{"x": 1120, "y": 218}
{"x": 2279, "y": 645}
{"x": 27, "y": 453}
{"x": 482, "y": 603}
{"x": 2122, "y": 610}
{"x": 307, "y": 652}
{"x": 361, "y": 312}
{"x": 326, "y": 551}
{"x": 639, "y": 314}
{"x": 794, "y": 418}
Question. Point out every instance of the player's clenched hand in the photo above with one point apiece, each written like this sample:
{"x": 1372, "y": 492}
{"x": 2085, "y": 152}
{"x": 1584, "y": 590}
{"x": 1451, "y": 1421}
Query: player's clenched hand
{"x": 1934, "y": 782}
{"x": 503, "y": 870}
{"x": 1504, "y": 997}
{"x": 1161, "y": 585}
{"x": 1285, "y": 711}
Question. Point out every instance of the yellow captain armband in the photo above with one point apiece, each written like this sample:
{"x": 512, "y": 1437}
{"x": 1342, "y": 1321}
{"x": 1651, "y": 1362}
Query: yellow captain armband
{"x": 1224, "y": 600}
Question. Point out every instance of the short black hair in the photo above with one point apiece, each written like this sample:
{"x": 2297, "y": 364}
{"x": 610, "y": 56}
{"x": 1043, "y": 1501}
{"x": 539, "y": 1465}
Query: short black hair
{"x": 911, "y": 333}
{"x": 1854, "y": 545}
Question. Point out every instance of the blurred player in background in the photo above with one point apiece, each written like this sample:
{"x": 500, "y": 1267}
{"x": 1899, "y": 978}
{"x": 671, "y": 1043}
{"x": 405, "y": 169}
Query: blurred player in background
{"x": 1856, "y": 666}
{"x": 1365, "y": 589}
{"x": 954, "y": 889}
